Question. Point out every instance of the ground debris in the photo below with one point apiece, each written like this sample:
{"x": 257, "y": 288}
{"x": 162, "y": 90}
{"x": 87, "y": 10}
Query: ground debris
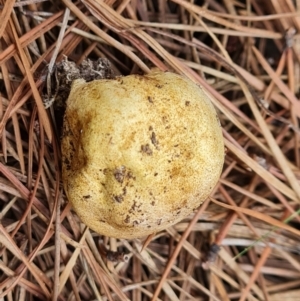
{"x": 67, "y": 71}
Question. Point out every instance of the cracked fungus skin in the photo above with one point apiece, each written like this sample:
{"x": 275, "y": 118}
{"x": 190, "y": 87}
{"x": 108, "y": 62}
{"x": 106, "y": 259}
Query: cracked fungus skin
{"x": 140, "y": 153}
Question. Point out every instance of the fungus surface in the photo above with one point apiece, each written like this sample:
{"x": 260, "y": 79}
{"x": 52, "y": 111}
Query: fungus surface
{"x": 139, "y": 153}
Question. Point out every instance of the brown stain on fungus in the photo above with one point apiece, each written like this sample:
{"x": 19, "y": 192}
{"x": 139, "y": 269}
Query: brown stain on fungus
{"x": 127, "y": 219}
{"x": 154, "y": 141}
{"x": 119, "y": 173}
{"x": 135, "y": 205}
{"x": 118, "y": 198}
{"x": 146, "y": 149}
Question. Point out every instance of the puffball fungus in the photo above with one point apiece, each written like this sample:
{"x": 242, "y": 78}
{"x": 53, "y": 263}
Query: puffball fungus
{"x": 139, "y": 153}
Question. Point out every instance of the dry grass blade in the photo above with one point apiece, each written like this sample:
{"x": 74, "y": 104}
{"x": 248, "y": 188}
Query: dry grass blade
{"x": 177, "y": 250}
{"x": 288, "y": 93}
{"x": 261, "y": 216}
{"x": 206, "y": 14}
{"x": 55, "y": 292}
{"x": 105, "y": 36}
{"x": 10, "y": 245}
{"x": 35, "y": 92}
{"x": 260, "y": 170}
{"x": 69, "y": 266}
{"x": 5, "y": 15}
{"x": 246, "y": 57}
{"x": 240, "y": 274}
{"x": 30, "y": 36}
